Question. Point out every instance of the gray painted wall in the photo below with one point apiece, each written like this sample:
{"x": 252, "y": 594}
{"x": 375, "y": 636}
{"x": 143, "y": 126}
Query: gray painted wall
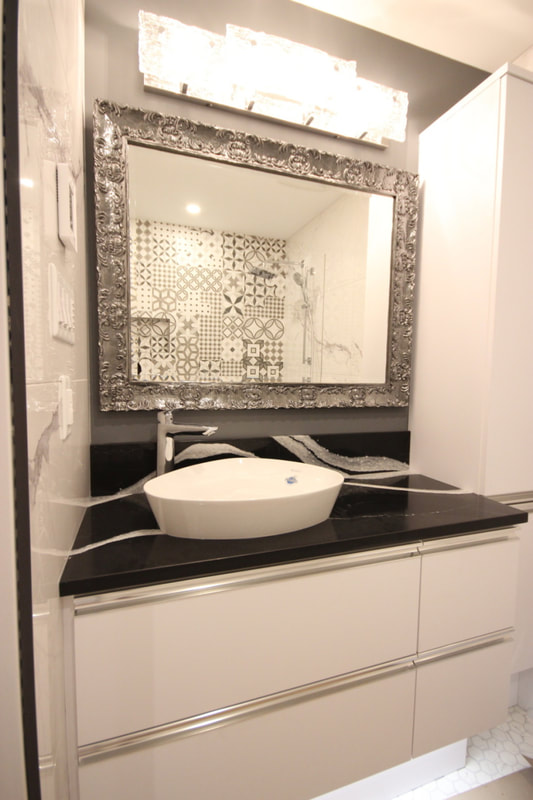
{"x": 434, "y": 83}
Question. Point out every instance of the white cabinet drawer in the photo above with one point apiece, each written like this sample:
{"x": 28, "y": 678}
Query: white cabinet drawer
{"x": 147, "y": 664}
{"x": 467, "y": 592}
{"x": 293, "y": 753}
{"x": 463, "y": 694}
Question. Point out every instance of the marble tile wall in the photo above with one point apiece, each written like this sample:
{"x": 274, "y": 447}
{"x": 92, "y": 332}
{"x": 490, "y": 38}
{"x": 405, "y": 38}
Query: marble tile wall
{"x": 51, "y": 93}
{"x": 333, "y": 247}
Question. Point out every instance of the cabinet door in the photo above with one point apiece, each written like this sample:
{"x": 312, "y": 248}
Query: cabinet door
{"x": 153, "y": 663}
{"x": 507, "y": 465}
{"x": 470, "y": 408}
{"x": 523, "y": 655}
{"x": 466, "y": 591}
{"x": 297, "y": 752}
{"x": 455, "y": 272}
{"x": 460, "y": 695}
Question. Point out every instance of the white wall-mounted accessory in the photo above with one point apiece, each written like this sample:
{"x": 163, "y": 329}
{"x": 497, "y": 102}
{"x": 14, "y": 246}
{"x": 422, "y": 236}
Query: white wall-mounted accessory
{"x": 268, "y": 76}
{"x": 66, "y": 206}
{"x": 65, "y": 406}
{"x": 61, "y": 306}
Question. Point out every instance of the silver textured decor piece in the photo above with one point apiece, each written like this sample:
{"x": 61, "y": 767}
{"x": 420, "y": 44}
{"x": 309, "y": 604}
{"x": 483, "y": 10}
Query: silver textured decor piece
{"x": 235, "y": 319}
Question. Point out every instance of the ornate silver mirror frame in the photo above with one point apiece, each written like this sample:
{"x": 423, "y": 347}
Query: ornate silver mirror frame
{"x": 117, "y": 126}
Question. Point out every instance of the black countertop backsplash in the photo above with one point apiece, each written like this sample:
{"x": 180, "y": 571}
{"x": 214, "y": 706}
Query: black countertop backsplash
{"x": 115, "y": 466}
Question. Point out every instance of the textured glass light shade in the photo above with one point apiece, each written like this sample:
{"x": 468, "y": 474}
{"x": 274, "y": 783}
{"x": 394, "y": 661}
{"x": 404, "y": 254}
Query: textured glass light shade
{"x": 269, "y": 76}
{"x": 282, "y": 78}
{"x": 182, "y": 58}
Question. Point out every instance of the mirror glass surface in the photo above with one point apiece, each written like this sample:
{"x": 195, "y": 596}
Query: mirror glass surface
{"x": 238, "y": 275}
{"x": 235, "y": 271}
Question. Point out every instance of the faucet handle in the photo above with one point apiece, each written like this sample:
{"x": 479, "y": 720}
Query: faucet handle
{"x": 166, "y": 420}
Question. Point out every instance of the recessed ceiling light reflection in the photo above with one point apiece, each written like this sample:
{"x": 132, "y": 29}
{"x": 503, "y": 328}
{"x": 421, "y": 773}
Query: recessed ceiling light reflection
{"x": 193, "y": 208}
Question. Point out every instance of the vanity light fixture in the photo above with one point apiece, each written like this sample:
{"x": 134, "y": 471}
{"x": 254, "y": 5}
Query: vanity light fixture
{"x": 268, "y": 76}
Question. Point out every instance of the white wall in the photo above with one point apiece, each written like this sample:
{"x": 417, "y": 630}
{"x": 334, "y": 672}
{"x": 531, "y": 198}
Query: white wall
{"x": 51, "y": 98}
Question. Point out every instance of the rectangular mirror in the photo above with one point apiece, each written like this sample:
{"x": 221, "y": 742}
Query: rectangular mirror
{"x": 241, "y": 272}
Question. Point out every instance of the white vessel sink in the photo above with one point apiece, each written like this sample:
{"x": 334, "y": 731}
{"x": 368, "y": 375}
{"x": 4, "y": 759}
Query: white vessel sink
{"x": 239, "y": 498}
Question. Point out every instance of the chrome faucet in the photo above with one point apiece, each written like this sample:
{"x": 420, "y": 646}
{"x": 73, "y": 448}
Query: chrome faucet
{"x": 166, "y": 430}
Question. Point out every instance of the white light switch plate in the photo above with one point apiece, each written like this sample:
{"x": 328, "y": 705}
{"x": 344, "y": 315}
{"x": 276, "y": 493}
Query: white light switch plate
{"x": 65, "y": 406}
{"x": 66, "y": 207}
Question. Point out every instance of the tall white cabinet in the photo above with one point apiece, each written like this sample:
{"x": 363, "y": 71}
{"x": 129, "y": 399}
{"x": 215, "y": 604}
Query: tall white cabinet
{"x": 471, "y": 405}
{"x": 471, "y": 414}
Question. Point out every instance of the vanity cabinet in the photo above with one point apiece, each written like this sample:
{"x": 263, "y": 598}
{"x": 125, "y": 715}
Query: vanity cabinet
{"x": 291, "y": 681}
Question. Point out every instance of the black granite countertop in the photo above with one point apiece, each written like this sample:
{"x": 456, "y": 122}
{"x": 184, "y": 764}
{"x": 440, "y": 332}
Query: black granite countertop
{"x": 362, "y": 519}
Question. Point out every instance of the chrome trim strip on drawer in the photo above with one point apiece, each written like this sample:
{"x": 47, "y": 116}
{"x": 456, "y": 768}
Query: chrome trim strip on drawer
{"x": 514, "y": 498}
{"x": 466, "y": 540}
{"x": 47, "y": 763}
{"x": 202, "y": 723}
{"x": 219, "y": 583}
{"x": 459, "y": 648}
